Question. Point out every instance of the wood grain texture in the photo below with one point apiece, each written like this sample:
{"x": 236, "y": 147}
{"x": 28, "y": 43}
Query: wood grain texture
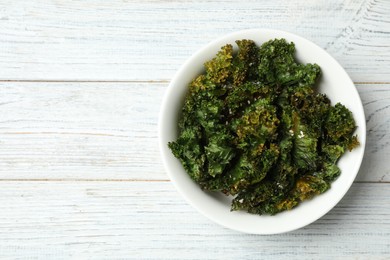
{"x": 149, "y": 40}
{"x": 109, "y": 131}
{"x": 81, "y": 131}
{"x": 375, "y": 100}
{"x": 143, "y": 220}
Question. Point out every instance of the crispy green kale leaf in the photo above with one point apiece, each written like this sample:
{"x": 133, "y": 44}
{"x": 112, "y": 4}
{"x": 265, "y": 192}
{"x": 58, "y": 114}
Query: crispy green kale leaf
{"x": 251, "y": 167}
{"x": 245, "y": 62}
{"x": 305, "y": 188}
{"x": 339, "y": 127}
{"x": 258, "y": 124}
{"x": 219, "y": 152}
{"x": 193, "y": 159}
{"x": 219, "y": 69}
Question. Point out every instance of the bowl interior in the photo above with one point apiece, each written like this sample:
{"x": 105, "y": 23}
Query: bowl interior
{"x": 334, "y": 82}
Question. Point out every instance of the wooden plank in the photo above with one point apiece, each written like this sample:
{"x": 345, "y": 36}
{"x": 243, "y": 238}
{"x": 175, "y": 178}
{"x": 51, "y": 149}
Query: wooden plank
{"x": 79, "y": 131}
{"x": 109, "y": 131}
{"x": 149, "y": 40}
{"x": 375, "y": 166}
{"x": 138, "y": 220}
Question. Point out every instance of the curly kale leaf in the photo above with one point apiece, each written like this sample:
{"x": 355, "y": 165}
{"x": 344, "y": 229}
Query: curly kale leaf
{"x": 312, "y": 109}
{"x": 329, "y": 172}
{"x": 219, "y": 152}
{"x": 332, "y": 152}
{"x": 261, "y": 197}
{"x": 188, "y": 148}
{"x": 252, "y": 167}
{"x": 300, "y": 74}
{"x": 219, "y": 69}
{"x": 254, "y": 196}
{"x": 239, "y": 98}
{"x": 245, "y": 62}
{"x": 305, "y": 188}
{"x": 304, "y": 152}
{"x": 258, "y": 124}
{"x": 339, "y": 127}
{"x": 277, "y": 65}
{"x": 275, "y": 58}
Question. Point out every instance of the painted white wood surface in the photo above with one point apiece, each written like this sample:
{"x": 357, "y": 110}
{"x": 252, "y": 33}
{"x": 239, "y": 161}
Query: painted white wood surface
{"x": 135, "y": 220}
{"x": 80, "y": 131}
{"x": 148, "y": 40}
{"x": 90, "y": 131}
{"x": 81, "y": 83}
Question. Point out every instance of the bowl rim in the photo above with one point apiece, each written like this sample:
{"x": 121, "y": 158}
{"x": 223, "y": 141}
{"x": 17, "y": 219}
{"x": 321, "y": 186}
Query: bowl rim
{"x": 220, "y": 41}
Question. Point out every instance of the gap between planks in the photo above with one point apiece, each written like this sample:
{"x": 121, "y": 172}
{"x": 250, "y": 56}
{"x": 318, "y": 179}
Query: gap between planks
{"x": 134, "y": 81}
{"x": 124, "y": 180}
{"x": 81, "y": 180}
{"x": 81, "y": 81}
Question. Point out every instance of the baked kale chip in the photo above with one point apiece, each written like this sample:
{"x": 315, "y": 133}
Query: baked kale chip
{"x": 253, "y": 126}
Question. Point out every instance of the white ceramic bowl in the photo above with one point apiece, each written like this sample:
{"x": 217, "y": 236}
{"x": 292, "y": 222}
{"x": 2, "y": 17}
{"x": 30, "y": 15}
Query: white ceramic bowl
{"x": 335, "y": 83}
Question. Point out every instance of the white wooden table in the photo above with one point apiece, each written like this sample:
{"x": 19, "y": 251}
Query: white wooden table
{"x": 81, "y": 83}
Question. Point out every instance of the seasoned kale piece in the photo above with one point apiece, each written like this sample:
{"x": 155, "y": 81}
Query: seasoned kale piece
{"x": 193, "y": 159}
{"x": 219, "y": 152}
{"x": 339, "y": 127}
{"x": 245, "y": 62}
{"x": 219, "y": 69}
{"x": 253, "y": 126}
{"x": 305, "y": 188}
{"x": 258, "y": 124}
{"x": 251, "y": 167}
